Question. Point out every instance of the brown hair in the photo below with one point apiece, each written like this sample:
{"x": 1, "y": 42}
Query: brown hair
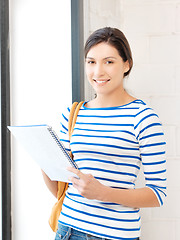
{"x": 115, "y": 38}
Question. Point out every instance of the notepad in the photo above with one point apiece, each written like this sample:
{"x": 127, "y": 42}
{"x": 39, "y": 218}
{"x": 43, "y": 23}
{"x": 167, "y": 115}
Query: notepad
{"x": 44, "y": 146}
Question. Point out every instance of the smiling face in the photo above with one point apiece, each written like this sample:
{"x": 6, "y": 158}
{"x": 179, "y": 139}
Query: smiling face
{"x": 105, "y": 69}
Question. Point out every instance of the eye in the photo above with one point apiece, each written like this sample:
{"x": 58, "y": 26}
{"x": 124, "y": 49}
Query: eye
{"x": 109, "y": 62}
{"x": 90, "y": 62}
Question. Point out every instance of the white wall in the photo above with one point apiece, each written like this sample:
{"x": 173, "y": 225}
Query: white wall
{"x": 40, "y": 44}
{"x": 153, "y": 30}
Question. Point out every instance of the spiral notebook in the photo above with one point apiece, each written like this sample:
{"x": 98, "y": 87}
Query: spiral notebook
{"x": 44, "y": 146}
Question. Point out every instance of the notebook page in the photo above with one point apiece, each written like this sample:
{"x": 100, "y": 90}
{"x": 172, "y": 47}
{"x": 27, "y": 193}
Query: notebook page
{"x": 41, "y": 146}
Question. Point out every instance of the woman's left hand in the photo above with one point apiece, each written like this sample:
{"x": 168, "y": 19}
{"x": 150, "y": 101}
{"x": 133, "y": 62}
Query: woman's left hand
{"x": 87, "y": 185}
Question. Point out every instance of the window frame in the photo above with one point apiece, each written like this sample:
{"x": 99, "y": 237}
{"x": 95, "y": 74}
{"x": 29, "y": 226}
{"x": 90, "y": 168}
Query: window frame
{"x": 5, "y": 121}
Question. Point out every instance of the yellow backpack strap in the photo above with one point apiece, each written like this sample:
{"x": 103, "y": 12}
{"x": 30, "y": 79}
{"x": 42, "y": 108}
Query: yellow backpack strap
{"x": 74, "y": 118}
{"x": 71, "y": 116}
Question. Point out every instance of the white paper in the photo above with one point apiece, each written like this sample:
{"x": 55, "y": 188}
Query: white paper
{"x": 41, "y": 146}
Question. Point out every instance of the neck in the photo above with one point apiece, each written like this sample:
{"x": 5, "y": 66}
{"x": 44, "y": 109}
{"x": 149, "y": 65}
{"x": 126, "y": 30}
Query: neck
{"x": 112, "y": 101}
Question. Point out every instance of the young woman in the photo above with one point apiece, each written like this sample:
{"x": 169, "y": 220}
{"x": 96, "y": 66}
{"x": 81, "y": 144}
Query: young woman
{"x": 114, "y": 135}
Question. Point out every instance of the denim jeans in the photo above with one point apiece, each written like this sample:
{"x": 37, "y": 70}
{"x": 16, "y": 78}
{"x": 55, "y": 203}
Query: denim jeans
{"x": 68, "y": 233}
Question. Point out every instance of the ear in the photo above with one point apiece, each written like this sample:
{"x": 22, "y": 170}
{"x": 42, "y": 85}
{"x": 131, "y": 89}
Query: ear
{"x": 126, "y": 66}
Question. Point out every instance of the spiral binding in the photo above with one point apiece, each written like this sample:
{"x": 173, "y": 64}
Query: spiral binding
{"x": 56, "y": 138}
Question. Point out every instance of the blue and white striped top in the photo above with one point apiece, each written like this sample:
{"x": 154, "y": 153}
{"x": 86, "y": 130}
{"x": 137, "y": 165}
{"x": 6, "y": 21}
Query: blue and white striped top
{"x": 112, "y": 144}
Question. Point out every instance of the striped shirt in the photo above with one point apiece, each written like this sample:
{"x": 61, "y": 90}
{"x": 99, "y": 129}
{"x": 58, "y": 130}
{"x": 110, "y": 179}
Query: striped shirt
{"x": 111, "y": 144}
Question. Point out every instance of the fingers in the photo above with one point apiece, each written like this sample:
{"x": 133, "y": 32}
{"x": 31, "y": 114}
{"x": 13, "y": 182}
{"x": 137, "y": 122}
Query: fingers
{"x": 83, "y": 179}
{"x": 75, "y": 181}
{"x": 76, "y": 171}
{"x": 86, "y": 184}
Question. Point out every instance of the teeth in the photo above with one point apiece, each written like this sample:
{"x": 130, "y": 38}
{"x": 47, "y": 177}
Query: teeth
{"x": 101, "y": 81}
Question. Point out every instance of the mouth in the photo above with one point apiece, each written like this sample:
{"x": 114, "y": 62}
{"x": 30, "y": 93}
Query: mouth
{"x": 101, "y": 81}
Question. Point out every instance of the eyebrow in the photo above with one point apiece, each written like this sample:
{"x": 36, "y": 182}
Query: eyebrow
{"x": 103, "y": 58}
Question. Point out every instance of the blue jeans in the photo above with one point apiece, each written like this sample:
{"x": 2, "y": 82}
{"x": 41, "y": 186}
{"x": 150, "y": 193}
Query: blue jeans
{"x": 68, "y": 233}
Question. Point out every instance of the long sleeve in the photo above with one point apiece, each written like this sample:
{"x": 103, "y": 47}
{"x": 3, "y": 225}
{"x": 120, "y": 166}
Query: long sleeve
{"x": 149, "y": 133}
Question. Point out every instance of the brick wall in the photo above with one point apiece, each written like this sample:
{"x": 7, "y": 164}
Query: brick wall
{"x": 153, "y": 30}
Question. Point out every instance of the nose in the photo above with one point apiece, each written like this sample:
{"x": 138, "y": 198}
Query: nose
{"x": 98, "y": 70}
